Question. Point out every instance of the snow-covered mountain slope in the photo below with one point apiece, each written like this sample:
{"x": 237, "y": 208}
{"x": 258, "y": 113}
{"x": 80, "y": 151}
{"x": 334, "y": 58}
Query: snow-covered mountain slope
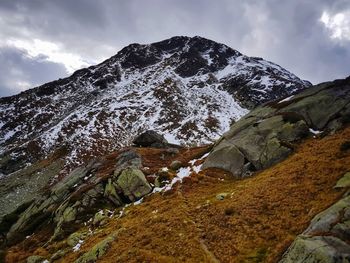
{"x": 189, "y": 89}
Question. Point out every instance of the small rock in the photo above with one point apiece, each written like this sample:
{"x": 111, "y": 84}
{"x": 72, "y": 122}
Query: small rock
{"x": 99, "y": 219}
{"x": 344, "y": 181}
{"x": 35, "y": 259}
{"x": 175, "y": 165}
{"x": 74, "y": 238}
{"x": 221, "y": 196}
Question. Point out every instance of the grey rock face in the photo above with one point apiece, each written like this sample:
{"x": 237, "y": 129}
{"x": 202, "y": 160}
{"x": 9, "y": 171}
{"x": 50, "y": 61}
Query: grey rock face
{"x": 266, "y": 135}
{"x": 326, "y": 239}
{"x": 79, "y": 196}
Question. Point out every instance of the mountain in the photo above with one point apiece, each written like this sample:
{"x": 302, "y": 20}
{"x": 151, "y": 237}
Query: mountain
{"x": 274, "y": 188}
{"x": 188, "y": 89}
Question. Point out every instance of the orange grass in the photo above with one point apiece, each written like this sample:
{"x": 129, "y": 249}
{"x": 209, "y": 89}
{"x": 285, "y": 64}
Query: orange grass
{"x": 256, "y": 222}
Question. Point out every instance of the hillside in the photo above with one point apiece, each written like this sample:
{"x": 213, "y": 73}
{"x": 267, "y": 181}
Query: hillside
{"x": 274, "y": 187}
{"x": 188, "y": 89}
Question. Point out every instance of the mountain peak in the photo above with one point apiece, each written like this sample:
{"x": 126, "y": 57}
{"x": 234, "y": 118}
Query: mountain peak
{"x": 190, "y": 89}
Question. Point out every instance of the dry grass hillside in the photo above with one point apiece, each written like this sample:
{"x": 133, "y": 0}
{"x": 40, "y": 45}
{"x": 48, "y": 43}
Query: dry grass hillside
{"x": 256, "y": 220}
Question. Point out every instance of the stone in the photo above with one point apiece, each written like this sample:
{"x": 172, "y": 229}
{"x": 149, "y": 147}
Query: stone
{"x": 99, "y": 218}
{"x": 260, "y": 143}
{"x": 74, "y": 238}
{"x": 344, "y": 181}
{"x": 69, "y": 214}
{"x": 332, "y": 220}
{"x": 228, "y": 158}
{"x": 97, "y": 251}
{"x": 175, "y": 165}
{"x": 325, "y": 240}
{"x": 150, "y": 139}
{"x": 133, "y": 183}
{"x": 221, "y": 196}
{"x": 35, "y": 259}
{"x": 172, "y": 151}
{"x": 266, "y": 135}
{"x": 320, "y": 249}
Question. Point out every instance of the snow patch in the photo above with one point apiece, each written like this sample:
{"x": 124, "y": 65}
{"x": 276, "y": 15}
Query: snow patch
{"x": 78, "y": 245}
{"x": 315, "y": 132}
{"x": 286, "y": 99}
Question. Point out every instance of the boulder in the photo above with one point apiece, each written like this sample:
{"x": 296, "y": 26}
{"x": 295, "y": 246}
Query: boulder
{"x": 326, "y": 238}
{"x": 133, "y": 183}
{"x": 97, "y": 251}
{"x": 150, "y": 139}
{"x": 111, "y": 193}
{"x": 323, "y": 249}
{"x": 228, "y": 158}
{"x": 321, "y": 108}
{"x": 259, "y": 143}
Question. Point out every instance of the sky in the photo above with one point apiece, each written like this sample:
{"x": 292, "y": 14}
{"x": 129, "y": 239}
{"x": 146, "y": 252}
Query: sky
{"x": 43, "y": 40}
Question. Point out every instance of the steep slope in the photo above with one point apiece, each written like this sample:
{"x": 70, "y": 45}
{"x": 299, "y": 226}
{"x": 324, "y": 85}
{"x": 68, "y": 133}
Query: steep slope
{"x": 189, "y": 89}
{"x": 175, "y": 204}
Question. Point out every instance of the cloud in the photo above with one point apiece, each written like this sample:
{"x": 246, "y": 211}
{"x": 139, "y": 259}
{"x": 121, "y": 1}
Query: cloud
{"x": 309, "y": 38}
{"x": 51, "y": 51}
{"x": 20, "y": 72}
{"x": 338, "y": 24}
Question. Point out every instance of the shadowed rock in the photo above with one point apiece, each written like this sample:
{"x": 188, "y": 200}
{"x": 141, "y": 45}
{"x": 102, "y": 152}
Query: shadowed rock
{"x": 150, "y": 139}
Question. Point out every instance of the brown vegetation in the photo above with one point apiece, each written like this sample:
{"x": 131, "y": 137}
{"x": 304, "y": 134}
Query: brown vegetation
{"x": 256, "y": 221}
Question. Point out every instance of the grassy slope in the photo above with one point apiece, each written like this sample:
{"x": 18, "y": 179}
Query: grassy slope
{"x": 256, "y": 222}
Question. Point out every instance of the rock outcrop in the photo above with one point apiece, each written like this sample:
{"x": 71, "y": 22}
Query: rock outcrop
{"x": 80, "y": 195}
{"x": 326, "y": 239}
{"x": 266, "y": 135}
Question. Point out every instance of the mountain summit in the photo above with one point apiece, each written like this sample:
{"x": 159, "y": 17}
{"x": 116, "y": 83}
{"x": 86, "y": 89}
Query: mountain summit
{"x": 190, "y": 89}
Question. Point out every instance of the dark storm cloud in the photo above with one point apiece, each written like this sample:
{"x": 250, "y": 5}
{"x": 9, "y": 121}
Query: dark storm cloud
{"x": 19, "y": 72}
{"x": 288, "y": 33}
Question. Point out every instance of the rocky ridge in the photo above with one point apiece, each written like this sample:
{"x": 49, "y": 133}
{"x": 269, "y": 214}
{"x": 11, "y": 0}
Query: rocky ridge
{"x": 157, "y": 86}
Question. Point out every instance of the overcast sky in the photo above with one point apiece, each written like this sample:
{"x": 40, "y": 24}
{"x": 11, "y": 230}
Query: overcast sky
{"x": 42, "y": 40}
